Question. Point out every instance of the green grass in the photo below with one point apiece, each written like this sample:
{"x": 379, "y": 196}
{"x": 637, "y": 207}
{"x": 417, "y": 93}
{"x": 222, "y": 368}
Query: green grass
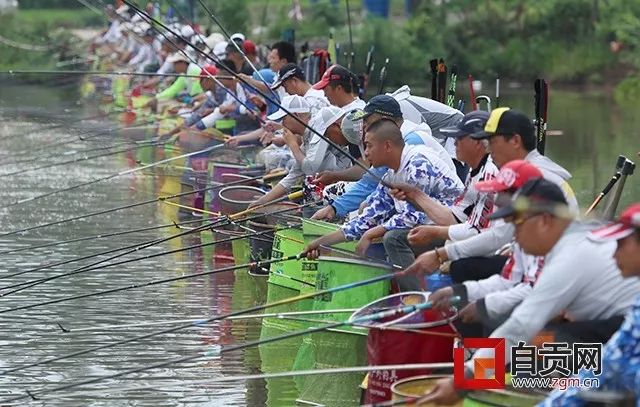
{"x": 73, "y": 18}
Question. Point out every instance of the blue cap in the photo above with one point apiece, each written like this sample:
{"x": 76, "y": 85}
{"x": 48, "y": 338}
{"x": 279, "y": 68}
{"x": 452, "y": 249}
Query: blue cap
{"x": 472, "y": 123}
{"x": 382, "y": 104}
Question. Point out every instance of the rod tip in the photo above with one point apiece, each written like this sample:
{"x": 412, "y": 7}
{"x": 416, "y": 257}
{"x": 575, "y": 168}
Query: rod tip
{"x": 62, "y": 328}
{"x": 33, "y": 396}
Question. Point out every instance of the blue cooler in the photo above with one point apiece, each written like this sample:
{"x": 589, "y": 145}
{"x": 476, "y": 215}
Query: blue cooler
{"x": 438, "y": 280}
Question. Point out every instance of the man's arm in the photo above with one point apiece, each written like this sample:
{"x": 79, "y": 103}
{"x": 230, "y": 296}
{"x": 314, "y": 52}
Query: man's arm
{"x": 380, "y": 206}
{"x": 483, "y": 244}
{"x": 351, "y": 200}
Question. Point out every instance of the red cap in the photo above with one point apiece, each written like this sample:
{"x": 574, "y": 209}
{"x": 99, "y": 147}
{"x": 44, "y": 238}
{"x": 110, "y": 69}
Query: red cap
{"x": 249, "y": 47}
{"x": 324, "y": 81}
{"x": 628, "y": 222}
{"x": 208, "y": 70}
{"x": 512, "y": 175}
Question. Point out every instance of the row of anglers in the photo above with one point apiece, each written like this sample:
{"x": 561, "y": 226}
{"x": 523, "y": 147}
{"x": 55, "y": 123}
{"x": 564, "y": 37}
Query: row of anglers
{"x": 442, "y": 190}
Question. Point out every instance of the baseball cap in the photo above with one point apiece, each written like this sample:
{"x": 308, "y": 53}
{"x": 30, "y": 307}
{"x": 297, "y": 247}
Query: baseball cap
{"x": 238, "y": 37}
{"x": 335, "y": 73}
{"x": 177, "y": 57}
{"x": 471, "y": 123}
{"x": 353, "y": 130}
{"x": 213, "y": 40}
{"x": 626, "y": 224}
{"x": 293, "y": 104}
{"x": 382, "y": 104}
{"x": 324, "y": 118}
{"x": 287, "y": 72}
{"x": 507, "y": 121}
{"x": 249, "y": 47}
{"x": 220, "y": 49}
{"x": 208, "y": 70}
{"x": 512, "y": 175}
{"x": 187, "y": 32}
{"x": 538, "y": 196}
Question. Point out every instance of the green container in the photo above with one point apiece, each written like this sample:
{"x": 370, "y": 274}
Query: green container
{"x": 287, "y": 242}
{"x": 313, "y": 229}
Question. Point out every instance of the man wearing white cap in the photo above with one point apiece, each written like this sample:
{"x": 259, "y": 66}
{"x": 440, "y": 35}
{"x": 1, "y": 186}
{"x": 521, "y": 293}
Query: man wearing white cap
{"x": 621, "y": 355}
{"x": 311, "y": 152}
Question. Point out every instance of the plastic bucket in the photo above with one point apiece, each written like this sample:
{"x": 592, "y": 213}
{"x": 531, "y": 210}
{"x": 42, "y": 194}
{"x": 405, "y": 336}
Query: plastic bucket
{"x": 388, "y": 346}
{"x": 288, "y": 242}
{"x": 260, "y": 245}
{"x": 314, "y": 229}
{"x": 415, "y": 387}
{"x": 237, "y": 198}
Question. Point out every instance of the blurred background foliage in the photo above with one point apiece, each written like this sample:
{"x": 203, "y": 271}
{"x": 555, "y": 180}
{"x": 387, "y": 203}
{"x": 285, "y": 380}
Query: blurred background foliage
{"x": 572, "y": 42}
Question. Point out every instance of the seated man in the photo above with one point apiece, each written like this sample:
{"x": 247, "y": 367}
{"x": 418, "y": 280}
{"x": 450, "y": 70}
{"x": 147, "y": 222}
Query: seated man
{"x": 468, "y": 216}
{"x": 414, "y": 165}
{"x": 580, "y": 279}
{"x": 311, "y": 152}
{"x": 379, "y": 107}
{"x": 621, "y": 355}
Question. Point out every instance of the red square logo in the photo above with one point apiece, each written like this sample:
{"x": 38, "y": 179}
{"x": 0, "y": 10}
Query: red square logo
{"x": 481, "y": 365}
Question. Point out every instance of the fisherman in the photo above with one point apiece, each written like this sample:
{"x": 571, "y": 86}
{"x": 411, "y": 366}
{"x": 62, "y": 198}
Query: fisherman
{"x": 281, "y": 54}
{"x": 146, "y": 57}
{"x": 469, "y": 214}
{"x": 511, "y": 137}
{"x": 412, "y": 164}
{"x": 182, "y": 84}
{"x": 594, "y": 299}
{"x": 493, "y": 297}
{"x": 621, "y": 355}
{"x": 311, "y": 152}
{"x": 340, "y": 87}
{"x": 378, "y": 107}
{"x": 238, "y": 59}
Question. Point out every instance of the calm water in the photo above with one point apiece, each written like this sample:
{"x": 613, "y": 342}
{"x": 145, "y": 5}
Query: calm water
{"x": 595, "y": 132}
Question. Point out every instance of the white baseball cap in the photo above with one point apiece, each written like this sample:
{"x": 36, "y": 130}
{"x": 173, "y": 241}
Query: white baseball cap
{"x": 187, "y": 32}
{"x": 325, "y": 117}
{"x": 213, "y": 40}
{"x": 220, "y": 49}
{"x": 238, "y": 37}
{"x": 293, "y": 104}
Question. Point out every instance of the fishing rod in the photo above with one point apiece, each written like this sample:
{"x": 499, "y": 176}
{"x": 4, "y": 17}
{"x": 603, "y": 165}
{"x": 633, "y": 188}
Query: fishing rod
{"x": 195, "y": 320}
{"x": 383, "y": 76}
{"x": 147, "y": 202}
{"x": 217, "y": 350}
{"x": 67, "y": 123}
{"x": 240, "y": 50}
{"x": 267, "y": 98}
{"x": 616, "y": 176}
{"x": 132, "y": 248}
{"x": 72, "y": 152}
{"x": 85, "y": 158}
{"x": 111, "y": 176}
{"x": 100, "y": 236}
{"x": 155, "y": 282}
{"x": 81, "y": 137}
{"x": 541, "y": 104}
{"x": 472, "y": 94}
{"x": 453, "y": 78}
{"x": 109, "y": 73}
{"x": 351, "y": 49}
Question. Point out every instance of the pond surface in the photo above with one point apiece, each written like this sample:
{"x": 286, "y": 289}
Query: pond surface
{"x": 595, "y": 132}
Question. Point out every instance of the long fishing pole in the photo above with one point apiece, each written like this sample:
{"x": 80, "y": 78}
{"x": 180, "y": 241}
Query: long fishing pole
{"x": 154, "y": 282}
{"x": 147, "y": 202}
{"x": 217, "y": 351}
{"x": 200, "y": 323}
{"x": 616, "y": 176}
{"x": 108, "y": 73}
{"x": 352, "y": 61}
{"x": 85, "y": 158}
{"x": 100, "y": 236}
{"x": 81, "y": 137}
{"x": 111, "y": 176}
{"x": 133, "y": 248}
{"x": 265, "y": 96}
{"x": 240, "y": 50}
{"x": 67, "y": 123}
{"x": 182, "y": 321}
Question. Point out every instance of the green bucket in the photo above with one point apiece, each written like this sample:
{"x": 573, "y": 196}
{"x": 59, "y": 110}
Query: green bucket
{"x": 313, "y": 229}
{"x": 287, "y": 242}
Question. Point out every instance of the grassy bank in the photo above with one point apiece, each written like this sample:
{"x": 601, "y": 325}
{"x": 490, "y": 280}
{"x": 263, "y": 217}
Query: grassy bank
{"x": 42, "y": 27}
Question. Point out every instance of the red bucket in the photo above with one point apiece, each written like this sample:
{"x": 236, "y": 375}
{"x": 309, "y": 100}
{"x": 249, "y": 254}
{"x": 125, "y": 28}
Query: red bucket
{"x": 390, "y": 347}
